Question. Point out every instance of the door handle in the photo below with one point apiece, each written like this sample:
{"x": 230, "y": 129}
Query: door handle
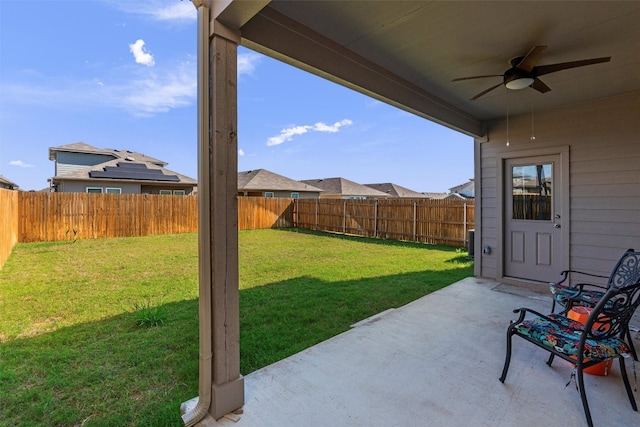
{"x": 556, "y": 225}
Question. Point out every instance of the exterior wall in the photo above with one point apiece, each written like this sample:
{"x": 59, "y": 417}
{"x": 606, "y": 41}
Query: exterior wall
{"x": 70, "y": 162}
{"x": 125, "y": 187}
{"x": 81, "y": 187}
{"x": 604, "y": 178}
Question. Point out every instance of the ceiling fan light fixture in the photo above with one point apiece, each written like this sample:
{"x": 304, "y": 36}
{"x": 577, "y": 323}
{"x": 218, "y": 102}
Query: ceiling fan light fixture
{"x": 520, "y": 83}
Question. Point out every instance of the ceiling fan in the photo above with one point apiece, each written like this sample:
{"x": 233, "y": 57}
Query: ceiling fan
{"x": 524, "y": 72}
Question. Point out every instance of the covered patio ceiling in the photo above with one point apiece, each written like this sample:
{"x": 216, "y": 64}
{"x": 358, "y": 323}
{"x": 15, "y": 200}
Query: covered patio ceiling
{"x": 407, "y": 53}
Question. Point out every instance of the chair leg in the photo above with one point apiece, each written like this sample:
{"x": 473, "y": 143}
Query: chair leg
{"x": 507, "y": 359}
{"x": 583, "y": 396}
{"x": 550, "y": 361}
{"x": 623, "y": 371}
{"x": 631, "y": 346}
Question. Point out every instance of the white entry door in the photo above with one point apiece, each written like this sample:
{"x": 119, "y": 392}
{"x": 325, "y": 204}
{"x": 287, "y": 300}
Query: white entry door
{"x": 533, "y": 218}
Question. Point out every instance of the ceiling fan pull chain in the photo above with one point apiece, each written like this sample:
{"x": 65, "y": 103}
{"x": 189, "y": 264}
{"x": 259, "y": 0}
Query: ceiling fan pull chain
{"x": 533, "y": 137}
{"x": 507, "y": 97}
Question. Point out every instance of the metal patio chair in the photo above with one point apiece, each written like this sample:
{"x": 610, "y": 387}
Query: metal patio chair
{"x": 600, "y": 339}
{"x": 625, "y": 272}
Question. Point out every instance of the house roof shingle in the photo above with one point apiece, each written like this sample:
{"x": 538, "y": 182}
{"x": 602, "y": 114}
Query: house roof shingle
{"x": 262, "y": 179}
{"x": 7, "y": 183}
{"x": 395, "y": 190}
{"x": 344, "y": 187}
{"x": 82, "y": 147}
{"x": 85, "y": 173}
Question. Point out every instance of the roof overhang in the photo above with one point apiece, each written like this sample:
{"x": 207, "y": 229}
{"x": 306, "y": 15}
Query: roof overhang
{"x": 406, "y": 53}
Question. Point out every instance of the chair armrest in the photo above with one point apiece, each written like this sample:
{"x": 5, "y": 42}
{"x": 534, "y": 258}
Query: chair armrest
{"x": 523, "y": 312}
{"x": 565, "y": 275}
{"x": 581, "y": 286}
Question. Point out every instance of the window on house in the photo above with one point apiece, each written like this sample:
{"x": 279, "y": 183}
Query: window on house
{"x": 531, "y": 196}
{"x": 114, "y": 191}
{"x": 268, "y": 194}
{"x": 179, "y": 192}
{"x": 165, "y": 192}
{"x": 295, "y": 195}
{"x": 94, "y": 190}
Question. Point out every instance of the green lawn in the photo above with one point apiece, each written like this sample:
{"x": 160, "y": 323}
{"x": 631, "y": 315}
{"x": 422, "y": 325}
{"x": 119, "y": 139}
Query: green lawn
{"x": 105, "y": 332}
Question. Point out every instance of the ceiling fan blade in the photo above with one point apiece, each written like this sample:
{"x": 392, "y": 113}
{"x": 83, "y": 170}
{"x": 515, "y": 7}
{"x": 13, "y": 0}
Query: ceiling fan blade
{"x": 528, "y": 62}
{"x": 484, "y": 92}
{"x": 540, "y": 86}
{"x": 552, "y": 68}
{"x": 476, "y": 77}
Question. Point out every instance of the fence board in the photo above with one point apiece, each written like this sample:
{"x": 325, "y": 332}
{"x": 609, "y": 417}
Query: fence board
{"x": 444, "y": 222}
{"x": 8, "y": 223}
{"x": 67, "y": 216}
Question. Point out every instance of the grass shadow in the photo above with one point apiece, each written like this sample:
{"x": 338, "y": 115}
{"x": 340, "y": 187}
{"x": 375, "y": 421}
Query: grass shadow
{"x": 114, "y": 373}
{"x": 372, "y": 240}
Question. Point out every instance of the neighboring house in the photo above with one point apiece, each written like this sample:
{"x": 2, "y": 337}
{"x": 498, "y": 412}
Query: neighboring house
{"x": 84, "y": 168}
{"x": 436, "y": 196}
{"x": 340, "y": 188}
{"x": 8, "y": 185}
{"x": 262, "y": 183}
{"x": 463, "y": 191}
{"x": 394, "y": 190}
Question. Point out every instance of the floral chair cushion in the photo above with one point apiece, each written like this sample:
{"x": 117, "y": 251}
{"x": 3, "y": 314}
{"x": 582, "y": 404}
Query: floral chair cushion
{"x": 563, "y": 334}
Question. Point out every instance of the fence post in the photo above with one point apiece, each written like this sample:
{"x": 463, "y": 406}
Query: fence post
{"x": 316, "y": 214}
{"x": 344, "y": 218}
{"x": 375, "y": 219}
{"x": 464, "y": 227}
{"x": 415, "y": 220}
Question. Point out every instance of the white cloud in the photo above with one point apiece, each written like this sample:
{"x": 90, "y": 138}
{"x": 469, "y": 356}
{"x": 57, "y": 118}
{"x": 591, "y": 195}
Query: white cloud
{"x": 157, "y": 93}
{"x": 143, "y": 93}
{"x": 247, "y": 63}
{"x": 20, "y": 163}
{"x": 159, "y": 10}
{"x": 240, "y": 152}
{"x": 287, "y": 134}
{"x": 140, "y": 53}
{"x": 183, "y": 10}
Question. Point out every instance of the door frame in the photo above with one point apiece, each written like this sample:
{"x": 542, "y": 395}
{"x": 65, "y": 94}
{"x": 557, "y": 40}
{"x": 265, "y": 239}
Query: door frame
{"x": 561, "y": 183}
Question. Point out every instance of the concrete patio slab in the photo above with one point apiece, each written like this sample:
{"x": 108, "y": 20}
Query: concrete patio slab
{"x": 433, "y": 362}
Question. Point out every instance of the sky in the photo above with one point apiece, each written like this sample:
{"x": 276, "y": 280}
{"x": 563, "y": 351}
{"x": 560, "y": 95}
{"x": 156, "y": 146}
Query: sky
{"x": 122, "y": 74}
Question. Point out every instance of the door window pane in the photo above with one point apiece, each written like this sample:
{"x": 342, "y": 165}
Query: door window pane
{"x": 531, "y": 191}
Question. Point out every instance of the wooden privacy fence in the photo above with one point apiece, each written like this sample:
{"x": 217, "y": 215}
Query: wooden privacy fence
{"x": 444, "y": 222}
{"x": 69, "y": 216}
{"x": 8, "y": 223}
{"x": 41, "y": 216}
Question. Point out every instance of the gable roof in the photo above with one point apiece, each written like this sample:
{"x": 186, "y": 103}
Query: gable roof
{"x": 5, "y": 183}
{"x": 262, "y": 179}
{"x": 395, "y": 190}
{"x": 462, "y": 187}
{"x": 119, "y": 170}
{"x": 344, "y": 187}
{"x": 82, "y": 147}
{"x": 436, "y": 196}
